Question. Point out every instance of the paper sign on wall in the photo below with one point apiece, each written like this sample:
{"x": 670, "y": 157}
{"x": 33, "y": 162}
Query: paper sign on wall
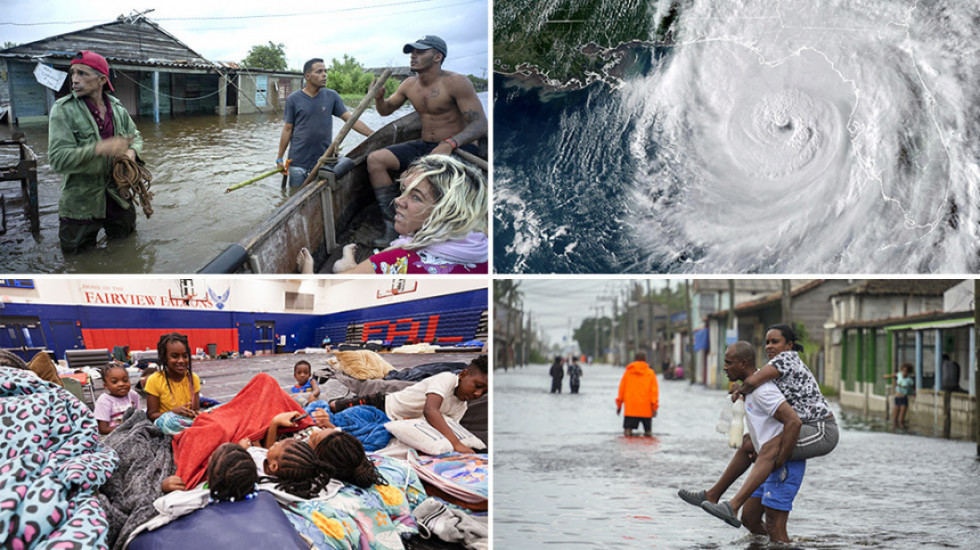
{"x": 49, "y": 76}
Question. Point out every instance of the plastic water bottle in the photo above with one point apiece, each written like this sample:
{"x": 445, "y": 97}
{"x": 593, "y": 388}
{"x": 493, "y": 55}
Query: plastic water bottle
{"x": 738, "y": 424}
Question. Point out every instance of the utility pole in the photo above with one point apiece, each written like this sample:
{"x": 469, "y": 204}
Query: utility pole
{"x": 787, "y": 303}
{"x": 689, "y": 363}
{"x": 650, "y": 324}
{"x": 595, "y": 332}
{"x": 669, "y": 344}
{"x": 976, "y": 365}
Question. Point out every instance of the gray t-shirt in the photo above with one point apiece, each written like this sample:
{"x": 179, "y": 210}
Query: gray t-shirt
{"x": 312, "y": 120}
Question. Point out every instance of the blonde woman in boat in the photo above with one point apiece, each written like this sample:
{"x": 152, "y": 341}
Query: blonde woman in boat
{"x": 441, "y": 219}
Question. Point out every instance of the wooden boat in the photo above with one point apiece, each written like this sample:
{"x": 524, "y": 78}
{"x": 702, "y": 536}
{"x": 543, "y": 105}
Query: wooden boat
{"x": 337, "y": 209}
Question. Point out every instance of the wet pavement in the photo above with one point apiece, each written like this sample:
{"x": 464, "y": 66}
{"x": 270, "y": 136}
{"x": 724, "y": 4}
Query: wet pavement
{"x": 565, "y": 477}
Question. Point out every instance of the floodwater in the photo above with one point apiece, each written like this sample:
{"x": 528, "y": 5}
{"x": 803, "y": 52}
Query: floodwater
{"x": 565, "y": 477}
{"x": 192, "y": 159}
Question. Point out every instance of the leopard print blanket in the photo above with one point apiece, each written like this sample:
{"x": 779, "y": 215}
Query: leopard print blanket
{"x": 52, "y": 465}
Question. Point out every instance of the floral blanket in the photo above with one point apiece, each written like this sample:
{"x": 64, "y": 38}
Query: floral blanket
{"x": 53, "y": 462}
{"x": 375, "y": 518}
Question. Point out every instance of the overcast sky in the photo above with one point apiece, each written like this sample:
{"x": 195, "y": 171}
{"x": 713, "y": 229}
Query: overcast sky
{"x": 372, "y": 31}
{"x": 554, "y": 303}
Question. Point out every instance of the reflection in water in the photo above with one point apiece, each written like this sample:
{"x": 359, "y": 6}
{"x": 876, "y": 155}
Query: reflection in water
{"x": 193, "y": 160}
{"x": 565, "y": 477}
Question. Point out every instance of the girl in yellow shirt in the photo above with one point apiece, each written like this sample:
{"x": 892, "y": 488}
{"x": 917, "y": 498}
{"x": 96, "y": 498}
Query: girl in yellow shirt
{"x": 173, "y": 394}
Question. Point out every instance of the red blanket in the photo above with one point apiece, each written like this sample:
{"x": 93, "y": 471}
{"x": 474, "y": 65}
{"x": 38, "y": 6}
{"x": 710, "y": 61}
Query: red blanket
{"x": 248, "y": 414}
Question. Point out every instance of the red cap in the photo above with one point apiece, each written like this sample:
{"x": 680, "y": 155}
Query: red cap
{"x": 95, "y": 61}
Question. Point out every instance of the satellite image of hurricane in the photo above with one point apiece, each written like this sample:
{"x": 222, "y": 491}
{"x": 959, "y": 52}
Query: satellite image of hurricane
{"x": 737, "y": 136}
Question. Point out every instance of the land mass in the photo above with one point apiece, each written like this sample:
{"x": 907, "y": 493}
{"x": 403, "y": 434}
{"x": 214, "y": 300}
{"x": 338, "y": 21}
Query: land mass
{"x": 568, "y": 44}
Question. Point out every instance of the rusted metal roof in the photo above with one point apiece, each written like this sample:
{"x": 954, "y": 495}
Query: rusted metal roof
{"x": 129, "y": 41}
{"x": 900, "y": 287}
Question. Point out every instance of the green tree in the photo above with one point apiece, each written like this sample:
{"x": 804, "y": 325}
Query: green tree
{"x": 271, "y": 57}
{"x": 479, "y": 83}
{"x": 347, "y": 76}
{"x": 8, "y": 44}
{"x": 585, "y": 335}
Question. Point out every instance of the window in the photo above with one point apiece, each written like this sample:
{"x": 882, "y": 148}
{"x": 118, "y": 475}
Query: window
{"x": 297, "y": 300}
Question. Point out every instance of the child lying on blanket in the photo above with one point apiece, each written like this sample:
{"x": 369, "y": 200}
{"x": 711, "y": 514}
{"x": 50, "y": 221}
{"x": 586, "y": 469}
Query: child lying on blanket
{"x": 344, "y": 458}
{"x": 441, "y": 394}
{"x": 286, "y": 460}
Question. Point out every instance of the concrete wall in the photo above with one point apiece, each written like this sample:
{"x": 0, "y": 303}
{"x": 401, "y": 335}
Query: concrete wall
{"x": 925, "y": 413}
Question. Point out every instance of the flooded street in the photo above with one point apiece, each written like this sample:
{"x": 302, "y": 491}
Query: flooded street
{"x": 193, "y": 160}
{"x": 565, "y": 477}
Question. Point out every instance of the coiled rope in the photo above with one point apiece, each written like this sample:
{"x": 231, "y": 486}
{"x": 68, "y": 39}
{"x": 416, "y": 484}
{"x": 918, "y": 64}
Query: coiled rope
{"x": 133, "y": 182}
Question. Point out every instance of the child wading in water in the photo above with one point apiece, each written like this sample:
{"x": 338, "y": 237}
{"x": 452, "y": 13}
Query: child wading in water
{"x": 306, "y": 389}
{"x": 441, "y": 394}
{"x": 904, "y": 387}
{"x": 117, "y": 399}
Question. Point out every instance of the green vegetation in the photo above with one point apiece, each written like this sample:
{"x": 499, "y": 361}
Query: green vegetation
{"x": 351, "y": 80}
{"x": 585, "y": 335}
{"x": 271, "y": 57}
{"x": 551, "y": 35}
{"x": 479, "y": 83}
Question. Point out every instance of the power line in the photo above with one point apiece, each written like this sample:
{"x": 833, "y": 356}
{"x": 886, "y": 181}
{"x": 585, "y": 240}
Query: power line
{"x": 241, "y": 17}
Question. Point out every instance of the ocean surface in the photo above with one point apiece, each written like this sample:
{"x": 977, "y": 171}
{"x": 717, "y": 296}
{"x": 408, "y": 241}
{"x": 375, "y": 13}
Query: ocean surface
{"x": 785, "y": 136}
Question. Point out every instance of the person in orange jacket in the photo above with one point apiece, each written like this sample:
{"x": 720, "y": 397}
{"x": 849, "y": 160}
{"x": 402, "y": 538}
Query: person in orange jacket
{"x": 639, "y": 391}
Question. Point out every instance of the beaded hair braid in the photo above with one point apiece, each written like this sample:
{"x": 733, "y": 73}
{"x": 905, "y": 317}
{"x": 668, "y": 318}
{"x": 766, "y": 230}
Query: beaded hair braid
{"x": 231, "y": 473}
{"x": 343, "y": 456}
{"x": 300, "y": 471}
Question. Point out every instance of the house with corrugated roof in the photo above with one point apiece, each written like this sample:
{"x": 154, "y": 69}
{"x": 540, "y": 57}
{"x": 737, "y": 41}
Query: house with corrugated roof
{"x": 153, "y": 73}
{"x": 878, "y": 325}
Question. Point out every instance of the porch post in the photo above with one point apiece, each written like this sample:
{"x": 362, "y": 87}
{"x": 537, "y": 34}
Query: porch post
{"x": 918, "y": 360}
{"x": 222, "y": 94}
{"x": 937, "y": 380}
{"x": 156, "y": 96}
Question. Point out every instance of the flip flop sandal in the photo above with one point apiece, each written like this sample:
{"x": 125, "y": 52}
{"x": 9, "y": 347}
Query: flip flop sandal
{"x": 692, "y": 497}
{"x": 723, "y": 511}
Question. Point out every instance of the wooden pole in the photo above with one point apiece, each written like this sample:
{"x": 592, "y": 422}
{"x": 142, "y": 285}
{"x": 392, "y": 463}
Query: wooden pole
{"x": 332, "y": 150}
{"x": 473, "y": 159}
{"x": 285, "y": 169}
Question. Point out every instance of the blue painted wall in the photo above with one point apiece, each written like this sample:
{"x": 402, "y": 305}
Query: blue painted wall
{"x": 28, "y": 97}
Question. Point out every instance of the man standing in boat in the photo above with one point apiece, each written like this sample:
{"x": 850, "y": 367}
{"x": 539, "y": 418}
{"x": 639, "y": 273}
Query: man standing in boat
{"x": 86, "y": 130}
{"x": 308, "y": 128}
{"x": 452, "y": 118}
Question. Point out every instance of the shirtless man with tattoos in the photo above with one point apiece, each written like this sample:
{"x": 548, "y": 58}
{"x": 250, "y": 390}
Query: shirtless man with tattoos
{"x": 452, "y": 118}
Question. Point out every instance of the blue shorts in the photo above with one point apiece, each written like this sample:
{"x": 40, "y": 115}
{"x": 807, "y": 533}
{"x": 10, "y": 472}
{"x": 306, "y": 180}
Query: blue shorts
{"x": 779, "y": 495}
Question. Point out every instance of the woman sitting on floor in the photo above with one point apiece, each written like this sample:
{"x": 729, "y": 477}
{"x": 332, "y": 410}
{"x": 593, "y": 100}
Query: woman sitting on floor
{"x": 441, "y": 217}
{"x": 173, "y": 395}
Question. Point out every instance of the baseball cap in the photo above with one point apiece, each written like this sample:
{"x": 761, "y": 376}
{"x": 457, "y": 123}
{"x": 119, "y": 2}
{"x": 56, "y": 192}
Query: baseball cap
{"x": 95, "y": 61}
{"x": 427, "y": 42}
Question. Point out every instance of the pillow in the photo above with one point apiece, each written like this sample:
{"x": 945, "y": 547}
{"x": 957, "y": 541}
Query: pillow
{"x": 362, "y": 364}
{"x": 254, "y": 523}
{"x": 44, "y": 368}
{"x": 420, "y": 435}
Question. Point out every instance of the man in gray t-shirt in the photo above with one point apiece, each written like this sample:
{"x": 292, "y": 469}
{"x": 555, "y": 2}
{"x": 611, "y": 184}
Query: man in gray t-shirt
{"x": 308, "y": 128}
